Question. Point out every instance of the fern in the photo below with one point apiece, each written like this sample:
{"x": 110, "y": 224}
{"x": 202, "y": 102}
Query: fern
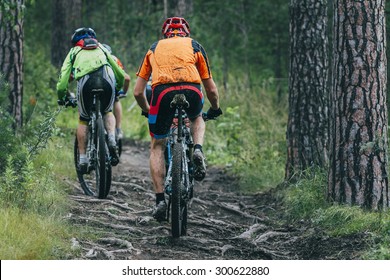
{"x": 43, "y": 133}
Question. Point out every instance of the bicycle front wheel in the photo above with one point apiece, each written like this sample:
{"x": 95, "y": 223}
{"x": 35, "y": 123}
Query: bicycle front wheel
{"x": 179, "y": 207}
{"x": 103, "y": 167}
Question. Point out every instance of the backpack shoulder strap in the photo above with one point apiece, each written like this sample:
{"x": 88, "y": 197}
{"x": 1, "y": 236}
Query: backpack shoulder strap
{"x": 73, "y": 58}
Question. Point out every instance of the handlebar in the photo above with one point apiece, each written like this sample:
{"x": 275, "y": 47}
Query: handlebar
{"x": 68, "y": 102}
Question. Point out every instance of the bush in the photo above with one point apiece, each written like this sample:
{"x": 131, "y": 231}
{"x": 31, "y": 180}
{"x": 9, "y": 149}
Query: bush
{"x": 249, "y": 138}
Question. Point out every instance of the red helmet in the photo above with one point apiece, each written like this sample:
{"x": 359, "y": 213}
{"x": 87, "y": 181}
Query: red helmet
{"x": 175, "y": 26}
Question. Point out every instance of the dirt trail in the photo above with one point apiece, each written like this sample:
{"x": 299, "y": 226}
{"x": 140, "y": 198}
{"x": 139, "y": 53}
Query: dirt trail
{"x": 222, "y": 223}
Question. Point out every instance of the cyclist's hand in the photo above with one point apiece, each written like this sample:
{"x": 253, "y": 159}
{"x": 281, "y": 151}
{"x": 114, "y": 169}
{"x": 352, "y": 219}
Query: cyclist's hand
{"x": 213, "y": 114}
{"x": 67, "y": 101}
{"x": 145, "y": 114}
{"x": 72, "y": 102}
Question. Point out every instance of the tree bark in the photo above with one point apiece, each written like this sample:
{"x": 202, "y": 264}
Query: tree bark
{"x": 358, "y": 157}
{"x": 11, "y": 54}
{"x": 66, "y": 17}
{"x": 307, "y": 130}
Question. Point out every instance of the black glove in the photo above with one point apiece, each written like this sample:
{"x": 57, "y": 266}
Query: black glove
{"x": 121, "y": 94}
{"x": 61, "y": 102}
{"x": 67, "y": 101}
{"x": 213, "y": 114}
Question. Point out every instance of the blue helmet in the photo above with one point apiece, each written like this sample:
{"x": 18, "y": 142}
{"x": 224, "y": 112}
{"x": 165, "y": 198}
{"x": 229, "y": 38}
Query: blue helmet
{"x": 82, "y": 33}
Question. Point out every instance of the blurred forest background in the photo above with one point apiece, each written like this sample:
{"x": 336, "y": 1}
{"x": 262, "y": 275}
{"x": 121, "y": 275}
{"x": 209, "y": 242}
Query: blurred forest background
{"x": 247, "y": 43}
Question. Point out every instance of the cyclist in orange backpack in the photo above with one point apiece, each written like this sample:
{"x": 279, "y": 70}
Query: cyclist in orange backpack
{"x": 177, "y": 64}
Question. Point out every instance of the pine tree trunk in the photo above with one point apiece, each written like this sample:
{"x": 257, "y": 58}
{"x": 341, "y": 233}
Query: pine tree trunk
{"x": 59, "y": 46}
{"x": 358, "y": 154}
{"x": 66, "y": 17}
{"x": 11, "y": 54}
{"x": 307, "y": 131}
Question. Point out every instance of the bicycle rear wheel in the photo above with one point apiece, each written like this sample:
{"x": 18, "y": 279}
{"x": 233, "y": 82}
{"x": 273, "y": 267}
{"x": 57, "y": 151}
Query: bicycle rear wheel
{"x": 103, "y": 166}
{"x": 84, "y": 185}
{"x": 179, "y": 206}
{"x": 119, "y": 145}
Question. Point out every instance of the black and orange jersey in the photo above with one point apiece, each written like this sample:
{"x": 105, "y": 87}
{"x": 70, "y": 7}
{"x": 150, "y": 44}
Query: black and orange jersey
{"x": 175, "y": 60}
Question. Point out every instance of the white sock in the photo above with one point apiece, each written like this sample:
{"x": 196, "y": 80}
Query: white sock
{"x": 83, "y": 158}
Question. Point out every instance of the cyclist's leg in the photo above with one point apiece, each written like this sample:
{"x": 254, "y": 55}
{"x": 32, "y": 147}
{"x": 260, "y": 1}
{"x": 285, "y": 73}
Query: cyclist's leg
{"x": 118, "y": 117}
{"x": 84, "y": 105}
{"x": 198, "y": 128}
{"x": 157, "y": 164}
{"x": 108, "y": 102}
{"x": 160, "y": 120}
{"x": 195, "y": 97}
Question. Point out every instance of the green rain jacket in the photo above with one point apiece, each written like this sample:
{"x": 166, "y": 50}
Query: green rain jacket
{"x": 84, "y": 62}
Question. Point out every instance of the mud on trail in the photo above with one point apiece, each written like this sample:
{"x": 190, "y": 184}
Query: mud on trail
{"x": 222, "y": 224}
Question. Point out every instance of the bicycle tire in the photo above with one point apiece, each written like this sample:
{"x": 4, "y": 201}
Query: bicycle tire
{"x": 102, "y": 166}
{"x": 76, "y": 155}
{"x": 177, "y": 187}
{"x": 109, "y": 169}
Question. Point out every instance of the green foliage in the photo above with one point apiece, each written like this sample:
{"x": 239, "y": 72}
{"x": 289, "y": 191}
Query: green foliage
{"x": 307, "y": 195}
{"x": 7, "y": 140}
{"x": 249, "y": 138}
{"x": 30, "y": 185}
{"x": 344, "y": 220}
{"x": 38, "y": 137}
{"x": 28, "y": 236}
{"x": 16, "y": 183}
{"x": 134, "y": 125}
{"x": 306, "y": 199}
{"x": 40, "y": 80}
{"x": 8, "y": 143}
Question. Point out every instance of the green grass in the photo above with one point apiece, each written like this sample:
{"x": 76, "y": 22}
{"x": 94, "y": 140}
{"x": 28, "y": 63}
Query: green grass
{"x": 307, "y": 195}
{"x": 306, "y": 199}
{"x": 33, "y": 201}
{"x": 29, "y": 236}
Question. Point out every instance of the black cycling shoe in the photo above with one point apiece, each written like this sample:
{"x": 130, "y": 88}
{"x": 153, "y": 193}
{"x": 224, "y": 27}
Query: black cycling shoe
{"x": 160, "y": 211}
{"x": 199, "y": 165}
{"x": 83, "y": 168}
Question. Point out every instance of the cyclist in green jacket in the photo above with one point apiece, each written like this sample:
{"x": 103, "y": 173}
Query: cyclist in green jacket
{"x": 89, "y": 63}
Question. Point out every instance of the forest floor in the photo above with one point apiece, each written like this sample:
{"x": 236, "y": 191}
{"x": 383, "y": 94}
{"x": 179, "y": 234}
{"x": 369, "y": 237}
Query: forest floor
{"x": 223, "y": 224}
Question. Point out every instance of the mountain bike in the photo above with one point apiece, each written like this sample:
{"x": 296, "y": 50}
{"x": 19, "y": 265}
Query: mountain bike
{"x": 179, "y": 180}
{"x": 99, "y": 159}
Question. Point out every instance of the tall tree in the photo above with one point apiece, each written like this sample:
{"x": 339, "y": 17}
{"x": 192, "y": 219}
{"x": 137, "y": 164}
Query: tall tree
{"x": 358, "y": 151}
{"x": 183, "y": 7}
{"x": 178, "y": 8}
{"x": 66, "y": 17}
{"x": 307, "y": 130}
{"x": 11, "y": 54}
